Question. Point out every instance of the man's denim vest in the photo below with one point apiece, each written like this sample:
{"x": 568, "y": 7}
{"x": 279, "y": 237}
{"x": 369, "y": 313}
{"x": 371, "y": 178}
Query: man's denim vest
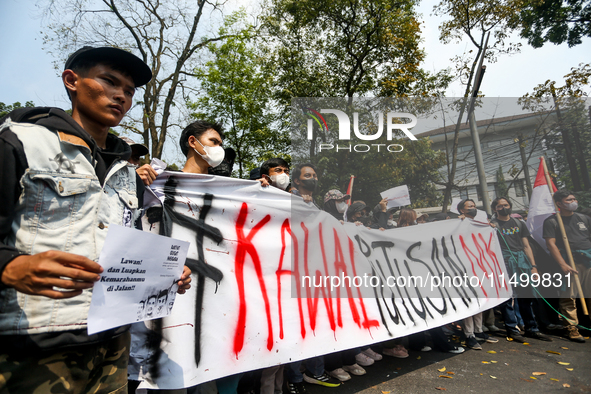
{"x": 62, "y": 207}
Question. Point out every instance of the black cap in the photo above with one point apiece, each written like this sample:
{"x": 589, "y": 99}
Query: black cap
{"x": 135, "y": 67}
{"x": 140, "y": 149}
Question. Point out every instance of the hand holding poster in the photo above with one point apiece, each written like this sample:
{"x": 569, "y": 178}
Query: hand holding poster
{"x": 139, "y": 278}
{"x": 397, "y": 196}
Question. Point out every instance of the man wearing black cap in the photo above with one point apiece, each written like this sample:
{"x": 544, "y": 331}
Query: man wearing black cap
{"x": 63, "y": 181}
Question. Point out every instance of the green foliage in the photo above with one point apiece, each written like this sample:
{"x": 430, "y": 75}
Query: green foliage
{"x": 346, "y": 48}
{"x": 236, "y": 84}
{"x": 5, "y": 109}
{"x": 376, "y": 172}
{"x": 569, "y": 133}
{"x": 555, "y": 21}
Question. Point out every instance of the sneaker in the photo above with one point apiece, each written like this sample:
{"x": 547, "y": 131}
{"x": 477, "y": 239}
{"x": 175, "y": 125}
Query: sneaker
{"x": 493, "y": 328}
{"x": 516, "y": 336}
{"x": 371, "y": 354}
{"x": 364, "y": 360}
{"x": 552, "y": 326}
{"x": 399, "y": 352}
{"x": 573, "y": 334}
{"x": 340, "y": 374}
{"x": 483, "y": 337}
{"x": 484, "y": 329}
{"x": 426, "y": 349}
{"x": 355, "y": 369}
{"x": 321, "y": 380}
{"x": 296, "y": 388}
{"x": 538, "y": 335}
{"x": 458, "y": 350}
{"x": 472, "y": 343}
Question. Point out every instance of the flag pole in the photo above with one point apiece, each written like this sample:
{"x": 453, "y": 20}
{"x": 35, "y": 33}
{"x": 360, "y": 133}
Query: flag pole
{"x": 571, "y": 261}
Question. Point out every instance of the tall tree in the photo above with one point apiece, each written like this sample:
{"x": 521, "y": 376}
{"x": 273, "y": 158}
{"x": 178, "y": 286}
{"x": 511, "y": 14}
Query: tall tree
{"x": 236, "y": 84}
{"x": 570, "y": 135}
{"x": 167, "y": 35}
{"x": 474, "y": 20}
{"x": 555, "y": 21}
{"x": 344, "y": 48}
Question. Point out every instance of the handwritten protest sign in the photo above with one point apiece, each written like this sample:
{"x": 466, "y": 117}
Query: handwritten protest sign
{"x": 397, "y": 196}
{"x": 139, "y": 278}
{"x": 253, "y": 249}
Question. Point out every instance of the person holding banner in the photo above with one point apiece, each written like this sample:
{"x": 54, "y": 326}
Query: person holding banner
{"x": 473, "y": 324}
{"x": 274, "y": 172}
{"x": 519, "y": 259}
{"x": 577, "y": 228}
{"x": 305, "y": 182}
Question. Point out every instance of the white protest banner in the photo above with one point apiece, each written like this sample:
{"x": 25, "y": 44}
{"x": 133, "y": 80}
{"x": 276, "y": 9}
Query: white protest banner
{"x": 253, "y": 249}
{"x": 139, "y": 281}
{"x": 397, "y": 196}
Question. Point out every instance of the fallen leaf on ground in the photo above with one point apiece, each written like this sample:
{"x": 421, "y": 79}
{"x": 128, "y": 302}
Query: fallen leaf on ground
{"x": 509, "y": 339}
{"x": 385, "y": 392}
{"x": 526, "y": 343}
{"x": 556, "y": 380}
{"x": 565, "y": 348}
{"x": 440, "y": 388}
{"x": 485, "y": 362}
{"x": 565, "y": 385}
{"x": 531, "y": 377}
{"x": 418, "y": 358}
{"x": 563, "y": 363}
{"x": 492, "y": 352}
{"x": 494, "y": 362}
{"x": 570, "y": 369}
{"x": 481, "y": 374}
{"x": 538, "y": 373}
{"x": 527, "y": 380}
{"x": 450, "y": 373}
{"x": 446, "y": 376}
{"x": 494, "y": 377}
{"x": 553, "y": 352}
{"x": 442, "y": 369}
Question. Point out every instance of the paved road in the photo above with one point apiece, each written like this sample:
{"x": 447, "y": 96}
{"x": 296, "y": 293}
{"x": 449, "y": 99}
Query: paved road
{"x": 473, "y": 371}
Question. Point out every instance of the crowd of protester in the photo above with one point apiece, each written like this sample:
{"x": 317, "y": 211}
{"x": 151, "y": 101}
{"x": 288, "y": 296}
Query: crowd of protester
{"x": 47, "y": 273}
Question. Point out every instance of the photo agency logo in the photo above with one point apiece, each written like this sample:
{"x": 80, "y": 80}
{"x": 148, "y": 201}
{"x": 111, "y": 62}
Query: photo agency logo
{"x": 397, "y": 124}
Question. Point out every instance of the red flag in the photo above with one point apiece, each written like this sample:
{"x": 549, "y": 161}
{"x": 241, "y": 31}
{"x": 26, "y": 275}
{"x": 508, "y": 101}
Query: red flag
{"x": 541, "y": 205}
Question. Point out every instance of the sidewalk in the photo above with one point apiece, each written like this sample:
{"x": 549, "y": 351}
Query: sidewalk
{"x": 509, "y": 370}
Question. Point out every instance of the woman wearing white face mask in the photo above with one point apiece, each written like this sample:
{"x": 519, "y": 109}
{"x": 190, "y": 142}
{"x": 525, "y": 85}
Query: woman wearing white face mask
{"x": 335, "y": 203}
{"x": 201, "y": 142}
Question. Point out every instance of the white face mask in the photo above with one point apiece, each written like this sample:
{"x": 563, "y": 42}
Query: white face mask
{"x": 214, "y": 155}
{"x": 341, "y": 206}
{"x": 280, "y": 181}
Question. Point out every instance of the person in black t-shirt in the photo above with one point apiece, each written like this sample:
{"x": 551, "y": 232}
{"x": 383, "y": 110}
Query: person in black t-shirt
{"x": 519, "y": 259}
{"x": 577, "y": 228}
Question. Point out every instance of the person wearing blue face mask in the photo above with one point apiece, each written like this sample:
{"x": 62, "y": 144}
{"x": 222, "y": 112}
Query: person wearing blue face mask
{"x": 578, "y": 232}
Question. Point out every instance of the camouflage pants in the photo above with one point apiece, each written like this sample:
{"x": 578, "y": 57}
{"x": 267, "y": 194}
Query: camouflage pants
{"x": 98, "y": 369}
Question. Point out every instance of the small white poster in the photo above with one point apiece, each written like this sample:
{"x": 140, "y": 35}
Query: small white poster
{"x": 139, "y": 281}
{"x": 397, "y": 196}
